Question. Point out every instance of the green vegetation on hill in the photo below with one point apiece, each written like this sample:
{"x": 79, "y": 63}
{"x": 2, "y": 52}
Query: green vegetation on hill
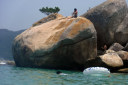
{"x": 6, "y": 39}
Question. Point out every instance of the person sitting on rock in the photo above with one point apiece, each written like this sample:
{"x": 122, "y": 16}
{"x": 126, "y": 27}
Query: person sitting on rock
{"x": 74, "y": 14}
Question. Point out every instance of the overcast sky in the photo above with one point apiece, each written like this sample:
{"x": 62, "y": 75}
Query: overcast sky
{"x": 21, "y": 14}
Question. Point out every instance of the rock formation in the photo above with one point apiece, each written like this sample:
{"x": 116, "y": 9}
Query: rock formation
{"x": 71, "y": 43}
{"x": 110, "y": 21}
{"x": 64, "y": 43}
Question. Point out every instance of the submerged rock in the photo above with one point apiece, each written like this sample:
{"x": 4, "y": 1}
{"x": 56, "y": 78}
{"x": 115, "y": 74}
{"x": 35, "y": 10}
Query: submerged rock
{"x": 10, "y": 62}
{"x": 109, "y": 21}
{"x": 64, "y": 43}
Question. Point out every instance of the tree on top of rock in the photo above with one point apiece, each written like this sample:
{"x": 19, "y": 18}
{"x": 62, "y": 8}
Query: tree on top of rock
{"x": 48, "y": 11}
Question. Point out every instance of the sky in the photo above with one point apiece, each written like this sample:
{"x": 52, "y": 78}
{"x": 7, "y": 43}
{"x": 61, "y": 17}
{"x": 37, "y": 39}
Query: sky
{"x": 21, "y": 14}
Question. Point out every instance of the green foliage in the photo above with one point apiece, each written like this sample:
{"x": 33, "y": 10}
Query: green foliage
{"x": 48, "y": 11}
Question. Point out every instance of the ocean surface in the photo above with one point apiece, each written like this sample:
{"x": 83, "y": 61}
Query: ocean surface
{"x": 12, "y": 75}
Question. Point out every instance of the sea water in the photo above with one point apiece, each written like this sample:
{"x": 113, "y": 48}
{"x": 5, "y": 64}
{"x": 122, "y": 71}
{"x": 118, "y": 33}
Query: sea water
{"x": 12, "y": 75}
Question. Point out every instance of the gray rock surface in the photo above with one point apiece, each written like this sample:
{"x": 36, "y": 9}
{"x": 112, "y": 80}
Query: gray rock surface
{"x": 116, "y": 47}
{"x": 121, "y": 34}
{"x": 109, "y": 21}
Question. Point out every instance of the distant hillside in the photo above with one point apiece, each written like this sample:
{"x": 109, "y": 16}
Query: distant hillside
{"x": 6, "y": 39}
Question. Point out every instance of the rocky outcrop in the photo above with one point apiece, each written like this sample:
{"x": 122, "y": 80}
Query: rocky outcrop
{"x": 110, "y": 60}
{"x": 114, "y": 60}
{"x": 116, "y": 47}
{"x": 71, "y": 43}
{"x": 64, "y": 43}
{"x": 110, "y": 22}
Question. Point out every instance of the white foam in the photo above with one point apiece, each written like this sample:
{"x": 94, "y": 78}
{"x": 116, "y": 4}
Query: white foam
{"x": 2, "y": 63}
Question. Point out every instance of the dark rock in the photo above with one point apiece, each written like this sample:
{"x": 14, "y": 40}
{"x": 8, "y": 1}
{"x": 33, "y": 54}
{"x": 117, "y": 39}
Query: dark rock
{"x": 100, "y": 52}
{"x": 107, "y": 19}
{"x": 121, "y": 34}
{"x": 126, "y": 47}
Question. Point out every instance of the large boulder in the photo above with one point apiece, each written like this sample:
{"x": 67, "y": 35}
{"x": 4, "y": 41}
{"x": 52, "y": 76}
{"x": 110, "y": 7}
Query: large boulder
{"x": 64, "y": 43}
{"x": 107, "y": 19}
{"x": 121, "y": 34}
{"x": 112, "y": 60}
